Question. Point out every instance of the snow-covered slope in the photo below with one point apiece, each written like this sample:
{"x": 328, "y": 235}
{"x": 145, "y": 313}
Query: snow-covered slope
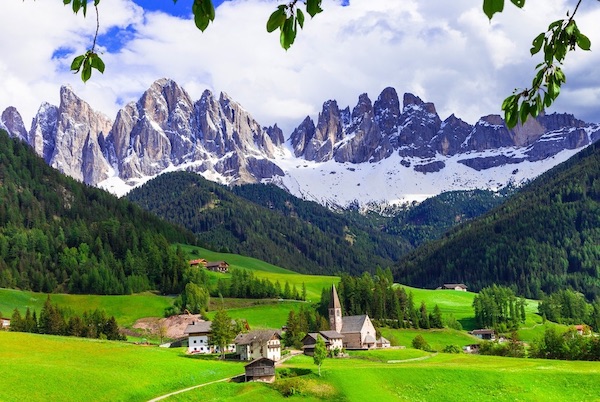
{"x": 385, "y": 152}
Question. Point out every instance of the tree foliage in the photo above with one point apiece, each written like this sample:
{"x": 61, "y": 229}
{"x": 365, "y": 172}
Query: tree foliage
{"x": 222, "y": 331}
{"x": 58, "y": 235}
{"x": 55, "y": 320}
{"x": 543, "y": 239}
{"x": 320, "y": 352}
{"x": 561, "y": 37}
{"x": 497, "y": 307}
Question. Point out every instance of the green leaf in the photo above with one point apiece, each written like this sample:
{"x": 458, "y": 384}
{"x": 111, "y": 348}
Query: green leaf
{"x": 276, "y": 20}
{"x": 583, "y": 42}
{"x": 518, "y": 3}
{"x": 97, "y": 63}
{"x": 537, "y": 43}
{"x": 86, "y": 72}
{"x": 491, "y": 7}
{"x": 288, "y": 34}
{"x": 300, "y": 17}
{"x": 76, "y": 63}
{"x": 524, "y": 112}
{"x": 561, "y": 51}
{"x": 570, "y": 28}
{"x": 313, "y": 7}
{"x": 204, "y": 13}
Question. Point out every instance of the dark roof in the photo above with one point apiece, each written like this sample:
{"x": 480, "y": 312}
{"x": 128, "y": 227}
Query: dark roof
{"x": 260, "y": 335}
{"x": 331, "y": 334}
{"x": 335, "y": 301}
{"x": 482, "y": 331}
{"x": 196, "y": 327}
{"x": 216, "y": 264}
{"x": 261, "y": 361}
{"x": 353, "y": 323}
{"x": 454, "y": 285}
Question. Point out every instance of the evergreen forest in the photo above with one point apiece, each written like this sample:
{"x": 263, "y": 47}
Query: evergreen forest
{"x": 544, "y": 239}
{"x": 59, "y": 235}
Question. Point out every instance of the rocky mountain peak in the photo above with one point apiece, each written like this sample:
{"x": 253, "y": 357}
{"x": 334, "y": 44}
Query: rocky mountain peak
{"x": 12, "y": 122}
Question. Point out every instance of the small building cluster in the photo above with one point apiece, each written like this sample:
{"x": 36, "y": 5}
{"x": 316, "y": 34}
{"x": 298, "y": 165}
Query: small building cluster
{"x": 345, "y": 332}
{"x": 461, "y": 287}
{"x": 198, "y": 339}
{"x": 215, "y": 266}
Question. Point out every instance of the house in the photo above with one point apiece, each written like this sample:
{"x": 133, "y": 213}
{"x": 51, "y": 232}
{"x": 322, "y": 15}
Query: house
{"x": 485, "y": 334}
{"x": 259, "y": 343}
{"x": 199, "y": 262}
{"x": 358, "y": 330}
{"x": 261, "y": 369}
{"x": 583, "y": 329}
{"x": 473, "y": 348}
{"x": 383, "y": 343}
{"x": 333, "y": 340}
{"x": 4, "y": 323}
{"x": 199, "y": 336}
{"x": 453, "y": 286}
{"x": 218, "y": 266}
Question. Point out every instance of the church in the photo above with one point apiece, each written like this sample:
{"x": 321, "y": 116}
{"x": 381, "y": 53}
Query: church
{"x": 357, "y": 331}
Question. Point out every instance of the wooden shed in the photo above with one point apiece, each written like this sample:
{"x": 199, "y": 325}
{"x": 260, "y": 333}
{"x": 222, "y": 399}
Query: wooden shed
{"x": 261, "y": 369}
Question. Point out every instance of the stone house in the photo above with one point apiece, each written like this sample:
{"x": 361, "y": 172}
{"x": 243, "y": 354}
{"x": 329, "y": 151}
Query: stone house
{"x": 333, "y": 340}
{"x": 259, "y": 343}
{"x": 461, "y": 287}
{"x": 218, "y": 266}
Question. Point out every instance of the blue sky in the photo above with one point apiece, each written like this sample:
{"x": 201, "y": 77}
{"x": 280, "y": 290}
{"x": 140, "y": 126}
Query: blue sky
{"x": 447, "y": 53}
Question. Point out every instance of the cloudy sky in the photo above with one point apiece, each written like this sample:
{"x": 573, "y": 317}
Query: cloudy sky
{"x": 444, "y": 52}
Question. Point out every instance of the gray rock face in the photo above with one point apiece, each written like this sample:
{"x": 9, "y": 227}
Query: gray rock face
{"x": 12, "y": 122}
{"x": 374, "y": 132}
{"x": 214, "y": 135}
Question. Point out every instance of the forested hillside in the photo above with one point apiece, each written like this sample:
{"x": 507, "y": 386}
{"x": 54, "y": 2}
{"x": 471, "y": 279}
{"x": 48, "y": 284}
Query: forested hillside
{"x": 545, "y": 238}
{"x": 275, "y": 226}
{"x": 434, "y": 216}
{"x": 59, "y": 235}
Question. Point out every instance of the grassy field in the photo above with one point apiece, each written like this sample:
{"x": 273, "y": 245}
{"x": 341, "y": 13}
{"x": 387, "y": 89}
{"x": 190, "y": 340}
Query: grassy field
{"x": 460, "y": 305}
{"x": 52, "y": 368}
{"x": 436, "y": 338}
{"x": 126, "y": 309}
{"x": 441, "y": 377}
{"x": 268, "y": 314}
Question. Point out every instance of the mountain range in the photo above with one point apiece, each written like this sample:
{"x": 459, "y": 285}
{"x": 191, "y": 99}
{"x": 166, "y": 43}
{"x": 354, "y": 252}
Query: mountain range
{"x": 375, "y": 153}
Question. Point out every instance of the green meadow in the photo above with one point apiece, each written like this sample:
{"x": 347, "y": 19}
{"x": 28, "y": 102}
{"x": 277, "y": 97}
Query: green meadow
{"x": 53, "y": 368}
{"x": 314, "y": 283}
{"x": 403, "y": 375}
{"x": 126, "y": 309}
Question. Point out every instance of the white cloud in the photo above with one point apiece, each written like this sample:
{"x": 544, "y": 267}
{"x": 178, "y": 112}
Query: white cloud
{"x": 444, "y": 52}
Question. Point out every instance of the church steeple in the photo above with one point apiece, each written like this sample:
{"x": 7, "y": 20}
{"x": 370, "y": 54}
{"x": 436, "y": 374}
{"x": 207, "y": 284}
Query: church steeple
{"x": 335, "y": 312}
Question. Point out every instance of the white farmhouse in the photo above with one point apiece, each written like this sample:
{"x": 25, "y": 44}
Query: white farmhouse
{"x": 199, "y": 337}
{"x": 259, "y": 343}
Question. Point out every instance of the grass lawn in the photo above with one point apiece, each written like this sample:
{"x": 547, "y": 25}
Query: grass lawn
{"x": 371, "y": 378}
{"x": 269, "y": 314}
{"x": 126, "y": 309}
{"x": 437, "y": 338}
{"x": 53, "y": 368}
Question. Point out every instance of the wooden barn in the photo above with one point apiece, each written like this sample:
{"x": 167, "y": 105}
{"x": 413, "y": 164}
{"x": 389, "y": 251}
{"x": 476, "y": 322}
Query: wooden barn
{"x": 261, "y": 369}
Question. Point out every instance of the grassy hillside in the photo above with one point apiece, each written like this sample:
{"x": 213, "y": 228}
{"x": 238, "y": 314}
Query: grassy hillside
{"x": 314, "y": 283}
{"x": 70, "y": 369}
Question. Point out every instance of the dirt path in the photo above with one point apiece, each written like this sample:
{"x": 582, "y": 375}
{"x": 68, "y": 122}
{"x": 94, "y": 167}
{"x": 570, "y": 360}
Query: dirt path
{"x": 160, "y": 398}
{"x": 413, "y": 360}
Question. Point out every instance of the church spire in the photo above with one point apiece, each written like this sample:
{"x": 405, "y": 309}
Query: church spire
{"x": 335, "y": 312}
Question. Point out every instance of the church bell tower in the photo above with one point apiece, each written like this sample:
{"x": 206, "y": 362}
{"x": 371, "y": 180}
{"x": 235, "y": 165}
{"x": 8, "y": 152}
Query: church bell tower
{"x": 335, "y": 312}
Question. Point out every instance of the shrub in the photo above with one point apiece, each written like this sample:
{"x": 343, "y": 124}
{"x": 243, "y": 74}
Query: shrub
{"x": 452, "y": 349}
{"x": 419, "y": 342}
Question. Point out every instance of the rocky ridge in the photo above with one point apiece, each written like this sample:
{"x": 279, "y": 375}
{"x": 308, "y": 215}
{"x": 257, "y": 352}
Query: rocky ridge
{"x": 214, "y": 136}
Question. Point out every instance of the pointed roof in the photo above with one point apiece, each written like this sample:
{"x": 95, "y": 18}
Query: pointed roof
{"x": 335, "y": 301}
